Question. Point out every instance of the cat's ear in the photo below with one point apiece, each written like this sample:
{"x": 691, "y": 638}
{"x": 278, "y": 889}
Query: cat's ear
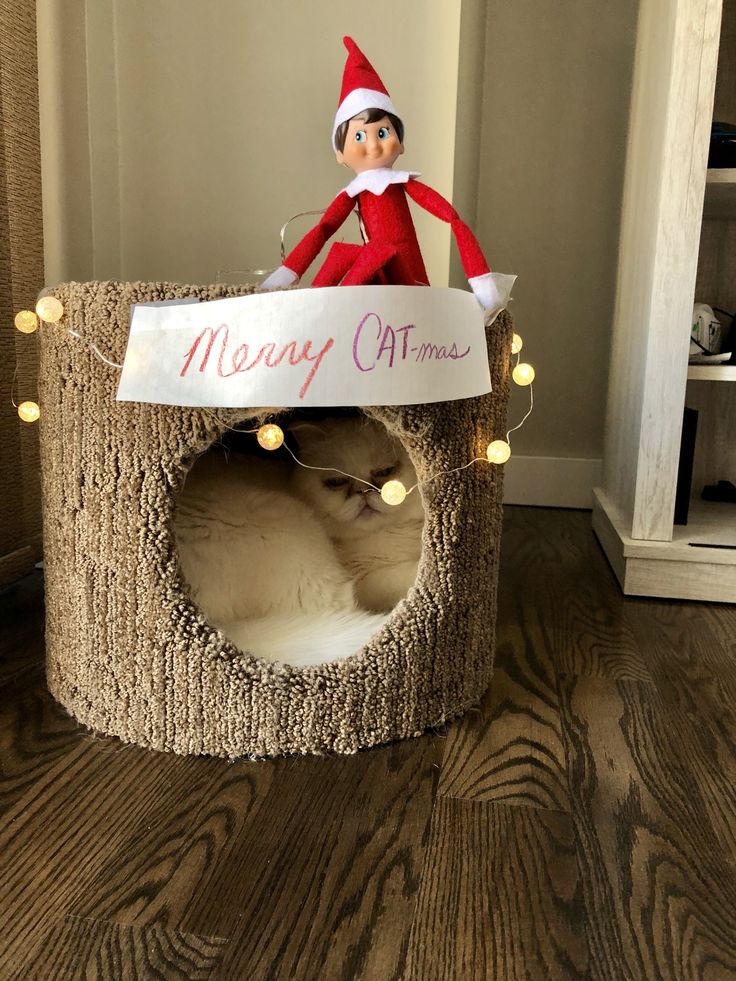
{"x": 306, "y": 434}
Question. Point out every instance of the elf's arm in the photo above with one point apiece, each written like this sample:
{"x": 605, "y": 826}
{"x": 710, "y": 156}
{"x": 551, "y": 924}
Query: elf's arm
{"x": 303, "y": 255}
{"x": 476, "y": 268}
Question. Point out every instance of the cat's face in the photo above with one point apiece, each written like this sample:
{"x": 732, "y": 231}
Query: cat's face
{"x": 364, "y": 449}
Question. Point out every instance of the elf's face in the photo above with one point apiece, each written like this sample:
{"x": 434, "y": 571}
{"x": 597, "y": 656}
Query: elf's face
{"x": 370, "y": 145}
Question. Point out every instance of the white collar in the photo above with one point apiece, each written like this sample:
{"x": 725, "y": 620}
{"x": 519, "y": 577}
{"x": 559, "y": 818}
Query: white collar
{"x": 376, "y": 181}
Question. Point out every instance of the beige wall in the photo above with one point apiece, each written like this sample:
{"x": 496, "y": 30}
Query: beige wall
{"x": 553, "y": 142}
{"x": 178, "y": 136}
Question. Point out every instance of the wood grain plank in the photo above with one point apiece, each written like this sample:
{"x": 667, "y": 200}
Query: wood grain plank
{"x": 659, "y": 888}
{"x": 573, "y": 592}
{"x": 102, "y": 951}
{"x": 721, "y": 621}
{"x": 76, "y": 815}
{"x": 511, "y": 750}
{"x": 692, "y": 648}
{"x": 500, "y": 897}
{"x": 322, "y": 881}
{"x": 695, "y": 669}
{"x": 164, "y": 862}
{"x": 559, "y": 611}
{"x": 35, "y": 733}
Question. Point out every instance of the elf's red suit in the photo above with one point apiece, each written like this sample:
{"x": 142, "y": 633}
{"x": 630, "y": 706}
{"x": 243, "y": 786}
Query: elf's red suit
{"x": 391, "y": 253}
{"x": 369, "y": 147}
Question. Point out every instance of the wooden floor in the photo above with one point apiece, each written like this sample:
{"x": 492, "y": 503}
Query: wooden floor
{"x": 580, "y": 824}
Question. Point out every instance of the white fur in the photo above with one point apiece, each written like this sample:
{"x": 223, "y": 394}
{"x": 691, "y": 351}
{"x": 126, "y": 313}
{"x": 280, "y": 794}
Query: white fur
{"x": 378, "y": 543}
{"x": 307, "y": 638}
{"x": 296, "y": 571}
{"x": 248, "y": 548}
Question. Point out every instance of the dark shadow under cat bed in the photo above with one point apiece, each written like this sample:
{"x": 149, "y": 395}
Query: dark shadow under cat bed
{"x": 128, "y": 652}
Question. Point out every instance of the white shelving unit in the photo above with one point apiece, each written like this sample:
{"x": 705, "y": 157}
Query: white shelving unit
{"x": 678, "y": 244}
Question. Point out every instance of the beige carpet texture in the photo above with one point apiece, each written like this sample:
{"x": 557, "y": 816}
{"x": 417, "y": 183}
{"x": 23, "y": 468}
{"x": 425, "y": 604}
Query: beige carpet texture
{"x": 128, "y": 652}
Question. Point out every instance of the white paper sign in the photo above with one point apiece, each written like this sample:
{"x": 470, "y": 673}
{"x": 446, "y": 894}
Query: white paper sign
{"x": 358, "y": 345}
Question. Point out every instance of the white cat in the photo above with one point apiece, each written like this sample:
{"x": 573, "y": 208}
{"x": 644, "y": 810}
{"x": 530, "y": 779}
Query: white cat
{"x": 249, "y": 548}
{"x": 380, "y": 544}
{"x": 277, "y": 565}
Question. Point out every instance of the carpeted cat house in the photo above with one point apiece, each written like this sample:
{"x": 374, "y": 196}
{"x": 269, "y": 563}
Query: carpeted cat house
{"x": 128, "y": 652}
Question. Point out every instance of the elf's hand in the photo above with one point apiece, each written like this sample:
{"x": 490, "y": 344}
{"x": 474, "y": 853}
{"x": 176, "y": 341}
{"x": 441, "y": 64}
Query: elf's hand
{"x": 493, "y": 292}
{"x": 279, "y": 279}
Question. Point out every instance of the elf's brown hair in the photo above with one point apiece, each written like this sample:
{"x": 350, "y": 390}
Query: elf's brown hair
{"x": 368, "y": 116}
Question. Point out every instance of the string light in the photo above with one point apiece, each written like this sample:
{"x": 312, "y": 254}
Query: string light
{"x": 26, "y": 321}
{"x": 29, "y": 411}
{"x": 270, "y": 436}
{"x": 393, "y": 492}
{"x": 498, "y": 451}
{"x": 523, "y": 374}
{"x": 50, "y": 309}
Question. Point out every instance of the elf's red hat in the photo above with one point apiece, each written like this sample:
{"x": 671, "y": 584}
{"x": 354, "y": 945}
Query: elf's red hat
{"x": 361, "y": 88}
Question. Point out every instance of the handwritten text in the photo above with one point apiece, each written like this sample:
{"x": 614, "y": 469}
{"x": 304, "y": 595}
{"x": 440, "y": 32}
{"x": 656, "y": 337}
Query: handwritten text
{"x": 233, "y": 361}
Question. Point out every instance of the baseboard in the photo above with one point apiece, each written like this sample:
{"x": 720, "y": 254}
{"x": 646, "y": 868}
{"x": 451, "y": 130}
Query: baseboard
{"x": 551, "y": 481}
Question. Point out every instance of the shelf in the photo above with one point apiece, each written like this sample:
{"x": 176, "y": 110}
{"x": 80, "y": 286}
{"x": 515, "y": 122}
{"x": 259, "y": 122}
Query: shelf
{"x": 709, "y": 523}
{"x": 711, "y": 372}
{"x": 676, "y": 569}
{"x": 720, "y": 194}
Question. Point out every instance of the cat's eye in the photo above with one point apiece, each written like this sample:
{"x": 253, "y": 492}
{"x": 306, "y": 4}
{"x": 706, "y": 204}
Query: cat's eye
{"x": 335, "y": 482}
{"x": 386, "y": 472}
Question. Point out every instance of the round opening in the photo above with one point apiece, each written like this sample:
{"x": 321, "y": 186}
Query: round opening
{"x": 297, "y": 539}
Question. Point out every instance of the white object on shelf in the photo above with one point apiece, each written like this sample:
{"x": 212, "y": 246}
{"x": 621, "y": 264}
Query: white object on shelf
{"x": 705, "y": 335}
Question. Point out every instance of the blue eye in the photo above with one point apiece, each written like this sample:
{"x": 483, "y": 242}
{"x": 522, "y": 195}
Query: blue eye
{"x": 360, "y": 136}
{"x": 383, "y": 132}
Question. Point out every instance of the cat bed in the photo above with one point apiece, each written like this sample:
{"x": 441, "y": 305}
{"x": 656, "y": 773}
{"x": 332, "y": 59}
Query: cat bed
{"x": 128, "y": 652}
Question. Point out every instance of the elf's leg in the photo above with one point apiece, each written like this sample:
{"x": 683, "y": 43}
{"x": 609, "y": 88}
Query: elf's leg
{"x": 374, "y": 256}
{"x": 340, "y": 258}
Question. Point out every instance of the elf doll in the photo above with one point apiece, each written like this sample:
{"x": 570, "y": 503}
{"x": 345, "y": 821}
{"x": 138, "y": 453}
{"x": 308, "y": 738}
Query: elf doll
{"x": 367, "y": 137}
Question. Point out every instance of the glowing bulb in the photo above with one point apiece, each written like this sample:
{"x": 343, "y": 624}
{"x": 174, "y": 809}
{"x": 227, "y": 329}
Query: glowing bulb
{"x": 516, "y": 344}
{"x": 498, "y": 451}
{"x": 393, "y": 492}
{"x": 50, "y": 309}
{"x": 29, "y": 411}
{"x": 523, "y": 374}
{"x": 270, "y": 436}
{"x": 26, "y": 321}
